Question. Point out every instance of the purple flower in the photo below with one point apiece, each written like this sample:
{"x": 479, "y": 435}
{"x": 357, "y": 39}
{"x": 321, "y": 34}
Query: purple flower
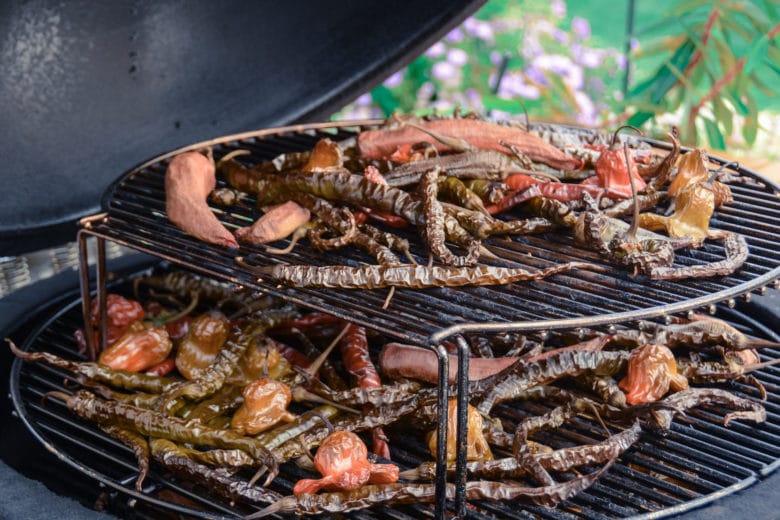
{"x": 446, "y": 72}
{"x": 364, "y": 100}
{"x": 484, "y": 31}
{"x": 531, "y": 46}
{"x": 587, "y": 110}
{"x": 457, "y": 57}
{"x": 394, "y": 80}
{"x": 436, "y": 50}
{"x": 425, "y": 93}
{"x": 621, "y": 61}
{"x": 591, "y": 58}
{"x": 560, "y": 35}
{"x": 581, "y": 27}
{"x": 455, "y": 35}
{"x": 475, "y": 100}
{"x": 633, "y": 44}
{"x": 536, "y": 76}
{"x": 562, "y": 66}
{"x": 514, "y": 85}
{"x": 558, "y": 8}
{"x": 617, "y": 95}
{"x": 443, "y": 105}
{"x": 495, "y": 57}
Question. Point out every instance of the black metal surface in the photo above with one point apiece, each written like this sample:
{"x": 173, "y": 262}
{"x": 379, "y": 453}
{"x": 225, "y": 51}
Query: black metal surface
{"x": 697, "y": 461}
{"x": 87, "y": 88}
{"x": 135, "y": 206}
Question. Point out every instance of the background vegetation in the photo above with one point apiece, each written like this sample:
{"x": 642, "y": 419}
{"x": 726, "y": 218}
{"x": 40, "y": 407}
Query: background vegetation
{"x": 706, "y": 67}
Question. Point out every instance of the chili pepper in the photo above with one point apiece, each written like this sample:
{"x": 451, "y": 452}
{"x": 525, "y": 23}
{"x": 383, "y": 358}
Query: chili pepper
{"x": 342, "y": 459}
{"x": 477, "y": 447}
{"x": 433, "y": 232}
{"x": 205, "y": 337}
{"x": 216, "y": 480}
{"x": 227, "y": 399}
{"x": 489, "y": 191}
{"x": 664, "y": 171}
{"x": 692, "y": 169}
{"x": 681, "y": 402}
{"x": 277, "y": 222}
{"x": 154, "y": 424}
{"x": 652, "y": 371}
{"x": 454, "y": 190}
{"x": 262, "y": 359}
{"x": 265, "y": 404}
{"x": 357, "y": 361}
{"x": 226, "y": 360}
{"x": 605, "y": 387}
{"x": 372, "y": 174}
{"x": 100, "y": 373}
{"x": 564, "y": 459}
{"x": 189, "y": 179}
{"x": 480, "y": 164}
{"x": 139, "y": 446}
{"x": 521, "y": 376}
{"x": 163, "y": 368}
{"x": 405, "y": 493}
{"x": 285, "y": 433}
{"x": 613, "y": 170}
{"x": 415, "y": 276}
{"x": 376, "y": 396}
{"x": 736, "y": 250}
{"x": 138, "y": 349}
{"x": 480, "y": 134}
{"x": 325, "y": 154}
{"x": 120, "y": 314}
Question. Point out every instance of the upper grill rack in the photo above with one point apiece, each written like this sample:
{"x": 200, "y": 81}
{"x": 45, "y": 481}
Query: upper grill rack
{"x": 135, "y": 206}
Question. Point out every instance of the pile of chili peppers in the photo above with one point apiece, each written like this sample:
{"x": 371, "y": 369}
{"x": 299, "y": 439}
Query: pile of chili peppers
{"x": 456, "y": 180}
{"x": 220, "y": 387}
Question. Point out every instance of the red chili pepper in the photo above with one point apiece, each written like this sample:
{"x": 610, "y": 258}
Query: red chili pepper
{"x": 293, "y": 355}
{"x": 177, "y": 329}
{"x": 162, "y": 369}
{"x": 120, "y": 313}
{"x": 357, "y": 361}
{"x": 138, "y": 349}
{"x": 342, "y": 459}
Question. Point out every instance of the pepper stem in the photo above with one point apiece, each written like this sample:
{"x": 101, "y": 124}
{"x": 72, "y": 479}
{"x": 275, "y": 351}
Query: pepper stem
{"x": 631, "y": 235}
{"x": 614, "y": 135}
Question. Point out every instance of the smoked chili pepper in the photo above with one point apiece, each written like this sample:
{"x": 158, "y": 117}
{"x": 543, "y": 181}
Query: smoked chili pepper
{"x": 138, "y": 349}
{"x": 342, "y": 460}
{"x": 357, "y": 361}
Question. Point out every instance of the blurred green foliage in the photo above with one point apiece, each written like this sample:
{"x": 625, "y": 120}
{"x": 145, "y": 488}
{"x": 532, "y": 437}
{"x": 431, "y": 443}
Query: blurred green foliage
{"x": 705, "y": 66}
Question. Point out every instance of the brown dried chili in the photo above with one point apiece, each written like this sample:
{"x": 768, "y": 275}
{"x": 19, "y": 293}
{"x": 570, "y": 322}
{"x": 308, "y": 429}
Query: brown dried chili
{"x": 652, "y": 371}
{"x": 342, "y": 460}
{"x": 265, "y": 405}
{"x": 477, "y": 447}
{"x": 154, "y": 424}
{"x": 277, "y": 222}
{"x": 205, "y": 337}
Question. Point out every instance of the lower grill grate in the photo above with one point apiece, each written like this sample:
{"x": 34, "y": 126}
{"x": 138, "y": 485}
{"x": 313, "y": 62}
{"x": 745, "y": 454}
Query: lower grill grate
{"x": 694, "y": 462}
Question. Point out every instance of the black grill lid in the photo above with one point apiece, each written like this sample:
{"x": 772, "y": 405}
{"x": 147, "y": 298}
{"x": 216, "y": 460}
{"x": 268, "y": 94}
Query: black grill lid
{"x": 89, "y": 89}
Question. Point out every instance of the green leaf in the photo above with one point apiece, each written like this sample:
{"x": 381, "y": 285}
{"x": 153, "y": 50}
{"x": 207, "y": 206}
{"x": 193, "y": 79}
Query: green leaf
{"x": 756, "y": 54}
{"x": 714, "y": 136}
{"x": 736, "y": 100}
{"x": 384, "y": 97}
{"x": 640, "y": 118}
{"x": 723, "y": 115}
{"x": 774, "y": 65}
{"x": 750, "y": 129}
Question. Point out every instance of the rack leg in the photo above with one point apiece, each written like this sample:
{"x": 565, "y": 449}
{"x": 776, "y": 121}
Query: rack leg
{"x": 86, "y": 298}
{"x": 441, "y": 432}
{"x": 101, "y": 291}
{"x": 462, "y": 431}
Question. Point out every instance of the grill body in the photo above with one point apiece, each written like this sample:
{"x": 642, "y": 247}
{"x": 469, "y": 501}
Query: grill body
{"x": 725, "y": 459}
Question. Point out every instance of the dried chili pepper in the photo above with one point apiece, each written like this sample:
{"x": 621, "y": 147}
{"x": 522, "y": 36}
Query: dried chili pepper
{"x": 477, "y": 447}
{"x": 325, "y": 154}
{"x": 652, "y": 371}
{"x": 121, "y": 312}
{"x": 139, "y": 348}
{"x": 138, "y": 444}
{"x": 480, "y": 134}
{"x": 265, "y": 404}
{"x": 405, "y": 493}
{"x": 163, "y": 368}
{"x": 205, "y": 337}
{"x": 217, "y": 480}
{"x": 342, "y": 459}
{"x": 415, "y": 276}
{"x": 357, "y": 361}
{"x": 564, "y": 459}
{"x": 154, "y": 424}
